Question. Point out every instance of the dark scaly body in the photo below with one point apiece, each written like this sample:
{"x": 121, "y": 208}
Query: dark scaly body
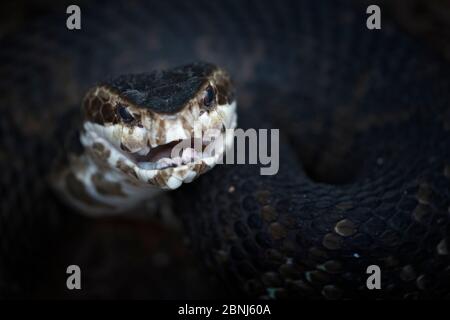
{"x": 364, "y": 176}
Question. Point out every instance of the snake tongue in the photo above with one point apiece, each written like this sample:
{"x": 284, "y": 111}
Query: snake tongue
{"x": 161, "y": 156}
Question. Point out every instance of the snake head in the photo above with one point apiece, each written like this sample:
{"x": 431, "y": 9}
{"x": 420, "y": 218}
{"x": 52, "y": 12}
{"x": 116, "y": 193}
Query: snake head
{"x": 161, "y": 128}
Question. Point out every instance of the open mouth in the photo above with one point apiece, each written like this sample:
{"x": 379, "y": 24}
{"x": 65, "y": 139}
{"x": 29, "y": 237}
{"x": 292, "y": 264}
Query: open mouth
{"x": 178, "y": 153}
{"x": 172, "y": 154}
{"x": 164, "y": 161}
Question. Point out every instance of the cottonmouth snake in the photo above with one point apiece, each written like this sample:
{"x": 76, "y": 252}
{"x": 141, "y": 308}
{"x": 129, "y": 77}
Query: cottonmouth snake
{"x": 364, "y": 156}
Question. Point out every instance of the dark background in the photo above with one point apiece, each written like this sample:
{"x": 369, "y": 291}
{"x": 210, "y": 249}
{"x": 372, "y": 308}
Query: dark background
{"x": 152, "y": 258}
{"x": 427, "y": 19}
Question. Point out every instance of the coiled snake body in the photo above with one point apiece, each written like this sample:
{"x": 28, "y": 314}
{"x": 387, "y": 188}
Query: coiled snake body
{"x": 364, "y": 153}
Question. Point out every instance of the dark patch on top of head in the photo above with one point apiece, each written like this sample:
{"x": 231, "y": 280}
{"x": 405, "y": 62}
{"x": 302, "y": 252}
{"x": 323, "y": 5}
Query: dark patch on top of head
{"x": 163, "y": 91}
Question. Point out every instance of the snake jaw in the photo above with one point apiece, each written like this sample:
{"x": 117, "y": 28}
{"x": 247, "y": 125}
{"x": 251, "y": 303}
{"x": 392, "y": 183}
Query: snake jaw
{"x": 178, "y": 159}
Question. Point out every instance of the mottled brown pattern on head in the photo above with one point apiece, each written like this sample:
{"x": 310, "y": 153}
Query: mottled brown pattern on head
{"x": 181, "y": 172}
{"x": 108, "y": 113}
{"x": 200, "y": 167}
{"x": 111, "y": 97}
{"x": 104, "y": 95}
{"x": 161, "y": 135}
{"x": 77, "y": 189}
{"x": 158, "y": 180}
{"x": 100, "y": 151}
{"x": 99, "y": 107}
{"x": 165, "y": 175}
{"x": 105, "y": 187}
{"x": 96, "y": 103}
{"x": 185, "y": 123}
{"x": 122, "y": 166}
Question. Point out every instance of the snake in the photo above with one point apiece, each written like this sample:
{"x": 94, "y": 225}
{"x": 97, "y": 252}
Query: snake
{"x": 89, "y": 117}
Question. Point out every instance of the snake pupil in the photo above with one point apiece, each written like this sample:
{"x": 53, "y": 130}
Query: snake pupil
{"x": 124, "y": 114}
{"x": 209, "y": 96}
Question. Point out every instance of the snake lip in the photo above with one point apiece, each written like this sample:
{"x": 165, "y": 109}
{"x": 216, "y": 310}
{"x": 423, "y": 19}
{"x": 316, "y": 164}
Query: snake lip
{"x": 172, "y": 154}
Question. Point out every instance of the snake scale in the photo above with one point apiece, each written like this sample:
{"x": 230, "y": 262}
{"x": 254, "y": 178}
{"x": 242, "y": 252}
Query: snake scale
{"x": 364, "y": 119}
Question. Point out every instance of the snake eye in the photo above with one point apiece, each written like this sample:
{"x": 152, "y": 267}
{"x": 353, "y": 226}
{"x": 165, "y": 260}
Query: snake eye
{"x": 124, "y": 114}
{"x": 209, "y": 97}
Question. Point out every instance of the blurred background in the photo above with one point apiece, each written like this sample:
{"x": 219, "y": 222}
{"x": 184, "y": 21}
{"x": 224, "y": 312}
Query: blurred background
{"x": 152, "y": 260}
{"x": 426, "y": 19}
